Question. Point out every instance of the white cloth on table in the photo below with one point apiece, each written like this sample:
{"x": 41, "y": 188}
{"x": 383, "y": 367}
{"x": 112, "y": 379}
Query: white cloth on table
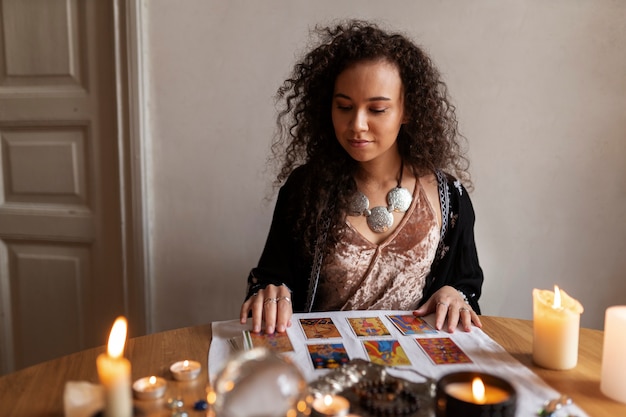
{"x": 486, "y": 354}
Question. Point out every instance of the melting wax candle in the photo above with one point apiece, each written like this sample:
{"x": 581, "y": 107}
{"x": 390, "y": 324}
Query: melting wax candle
{"x": 556, "y": 324}
{"x": 114, "y": 373}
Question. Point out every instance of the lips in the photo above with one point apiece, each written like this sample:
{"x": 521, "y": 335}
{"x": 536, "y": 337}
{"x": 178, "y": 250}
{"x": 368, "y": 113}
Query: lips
{"x": 358, "y": 143}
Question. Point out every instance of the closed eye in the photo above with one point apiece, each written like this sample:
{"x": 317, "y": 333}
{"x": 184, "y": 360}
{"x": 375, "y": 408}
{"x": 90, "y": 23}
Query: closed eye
{"x": 378, "y": 111}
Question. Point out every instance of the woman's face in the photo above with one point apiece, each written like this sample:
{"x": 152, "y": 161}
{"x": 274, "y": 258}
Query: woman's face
{"x": 368, "y": 109}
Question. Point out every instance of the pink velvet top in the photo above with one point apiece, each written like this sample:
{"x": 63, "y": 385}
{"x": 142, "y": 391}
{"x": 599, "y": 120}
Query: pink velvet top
{"x": 388, "y": 276}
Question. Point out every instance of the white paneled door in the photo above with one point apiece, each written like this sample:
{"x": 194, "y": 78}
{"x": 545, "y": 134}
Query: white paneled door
{"x": 62, "y": 238}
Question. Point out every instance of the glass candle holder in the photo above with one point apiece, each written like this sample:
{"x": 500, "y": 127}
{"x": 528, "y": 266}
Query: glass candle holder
{"x": 460, "y": 394}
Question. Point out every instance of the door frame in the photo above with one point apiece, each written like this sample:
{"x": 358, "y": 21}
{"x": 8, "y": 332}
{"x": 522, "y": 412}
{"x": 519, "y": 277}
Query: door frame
{"x": 134, "y": 147}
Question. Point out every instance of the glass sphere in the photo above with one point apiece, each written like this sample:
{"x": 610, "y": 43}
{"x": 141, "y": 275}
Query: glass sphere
{"x": 258, "y": 383}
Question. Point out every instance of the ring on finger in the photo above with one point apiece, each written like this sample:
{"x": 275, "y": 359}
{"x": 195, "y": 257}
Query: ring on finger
{"x": 270, "y": 300}
{"x": 283, "y": 299}
{"x": 443, "y": 304}
{"x": 463, "y": 309}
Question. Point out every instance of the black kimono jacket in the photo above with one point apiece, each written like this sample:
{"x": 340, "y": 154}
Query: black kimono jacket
{"x": 455, "y": 264}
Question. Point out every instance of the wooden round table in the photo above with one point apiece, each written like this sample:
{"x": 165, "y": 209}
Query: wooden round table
{"x": 38, "y": 390}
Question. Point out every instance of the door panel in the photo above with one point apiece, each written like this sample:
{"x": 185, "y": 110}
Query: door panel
{"x": 49, "y": 286}
{"x": 62, "y": 279}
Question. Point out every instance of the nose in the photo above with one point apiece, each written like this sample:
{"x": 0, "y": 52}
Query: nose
{"x": 359, "y": 121}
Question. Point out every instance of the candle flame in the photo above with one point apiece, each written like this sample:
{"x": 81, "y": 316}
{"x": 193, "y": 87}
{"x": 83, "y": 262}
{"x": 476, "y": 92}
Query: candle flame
{"x": 478, "y": 390}
{"x": 152, "y": 380}
{"x": 186, "y": 364}
{"x": 557, "y": 297}
{"x": 211, "y": 396}
{"x": 117, "y": 338}
{"x": 328, "y": 400}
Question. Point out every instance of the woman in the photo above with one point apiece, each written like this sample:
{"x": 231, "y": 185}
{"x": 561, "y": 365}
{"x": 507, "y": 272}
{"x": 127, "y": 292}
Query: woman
{"x": 371, "y": 215}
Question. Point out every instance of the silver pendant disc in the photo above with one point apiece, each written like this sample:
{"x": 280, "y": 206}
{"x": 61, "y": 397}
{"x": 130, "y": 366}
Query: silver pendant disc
{"x": 359, "y": 204}
{"x": 399, "y": 199}
{"x": 380, "y": 220}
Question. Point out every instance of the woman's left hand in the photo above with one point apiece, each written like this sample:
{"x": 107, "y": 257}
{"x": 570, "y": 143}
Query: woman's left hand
{"x": 448, "y": 304}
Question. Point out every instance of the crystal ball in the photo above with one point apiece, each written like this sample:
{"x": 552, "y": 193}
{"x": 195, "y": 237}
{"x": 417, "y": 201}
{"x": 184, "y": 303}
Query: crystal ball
{"x": 258, "y": 383}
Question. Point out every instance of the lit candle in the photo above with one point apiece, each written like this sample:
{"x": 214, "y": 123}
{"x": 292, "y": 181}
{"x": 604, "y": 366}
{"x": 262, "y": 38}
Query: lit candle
{"x": 185, "y": 370}
{"x": 331, "y": 405}
{"x": 474, "y": 394}
{"x": 477, "y": 392}
{"x": 613, "y": 379}
{"x": 149, "y": 388}
{"x": 556, "y": 323}
{"x": 114, "y": 373}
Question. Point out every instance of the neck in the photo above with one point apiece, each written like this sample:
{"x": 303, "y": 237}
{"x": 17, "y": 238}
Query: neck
{"x": 378, "y": 172}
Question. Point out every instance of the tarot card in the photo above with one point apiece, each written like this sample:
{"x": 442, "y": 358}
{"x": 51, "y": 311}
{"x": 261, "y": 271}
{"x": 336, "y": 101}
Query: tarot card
{"x": 368, "y": 326}
{"x": 278, "y": 342}
{"x": 328, "y": 355}
{"x": 319, "y": 328}
{"x": 386, "y": 352}
{"x": 443, "y": 351}
{"x": 408, "y": 324}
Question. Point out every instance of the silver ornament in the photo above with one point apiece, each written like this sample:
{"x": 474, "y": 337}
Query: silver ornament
{"x": 359, "y": 204}
{"x": 399, "y": 199}
{"x": 380, "y": 219}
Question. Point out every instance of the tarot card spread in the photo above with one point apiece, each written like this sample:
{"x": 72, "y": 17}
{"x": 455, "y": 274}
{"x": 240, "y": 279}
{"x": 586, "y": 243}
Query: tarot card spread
{"x": 328, "y": 355}
{"x": 443, "y": 351}
{"x": 277, "y": 342}
{"x": 319, "y": 328}
{"x": 368, "y": 326}
{"x": 408, "y": 324}
{"x": 386, "y": 352}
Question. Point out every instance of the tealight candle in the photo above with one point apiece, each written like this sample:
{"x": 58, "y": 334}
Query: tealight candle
{"x": 331, "y": 405}
{"x": 473, "y": 394}
{"x": 477, "y": 392}
{"x": 149, "y": 388}
{"x": 556, "y": 323}
{"x": 114, "y": 374}
{"x": 185, "y": 370}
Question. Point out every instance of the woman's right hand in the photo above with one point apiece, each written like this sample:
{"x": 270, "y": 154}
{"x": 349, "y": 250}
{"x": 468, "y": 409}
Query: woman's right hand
{"x": 272, "y": 306}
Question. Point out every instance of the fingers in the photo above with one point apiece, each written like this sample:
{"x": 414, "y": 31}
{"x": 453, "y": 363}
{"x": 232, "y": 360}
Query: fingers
{"x": 441, "y": 313}
{"x": 271, "y": 305}
{"x": 283, "y": 314}
{"x": 269, "y": 313}
{"x": 475, "y": 318}
{"x": 450, "y": 310}
{"x": 277, "y": 312}
{"x": 463, "y": 316}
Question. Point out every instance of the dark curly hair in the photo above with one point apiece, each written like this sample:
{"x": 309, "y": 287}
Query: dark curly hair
{"x": 429, "y": 140}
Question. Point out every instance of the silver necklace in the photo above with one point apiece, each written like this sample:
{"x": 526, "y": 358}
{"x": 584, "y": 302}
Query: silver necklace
{"x": 380, "y": 218}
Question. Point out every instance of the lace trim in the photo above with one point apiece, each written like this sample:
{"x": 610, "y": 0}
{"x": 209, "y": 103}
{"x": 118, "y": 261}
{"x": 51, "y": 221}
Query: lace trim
{"x": 444, "y": 199}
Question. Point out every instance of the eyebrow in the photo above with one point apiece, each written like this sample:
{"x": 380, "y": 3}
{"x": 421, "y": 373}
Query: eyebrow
{"x": 377, "y": 98}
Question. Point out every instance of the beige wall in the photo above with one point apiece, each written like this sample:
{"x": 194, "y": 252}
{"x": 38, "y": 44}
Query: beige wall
{"x": 541, "y": 93}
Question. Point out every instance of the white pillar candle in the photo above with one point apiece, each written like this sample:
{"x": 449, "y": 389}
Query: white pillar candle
{"x": 556, "y": 325}
{"x": 114, "y": 374}
{"x": 613, "y": 379}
